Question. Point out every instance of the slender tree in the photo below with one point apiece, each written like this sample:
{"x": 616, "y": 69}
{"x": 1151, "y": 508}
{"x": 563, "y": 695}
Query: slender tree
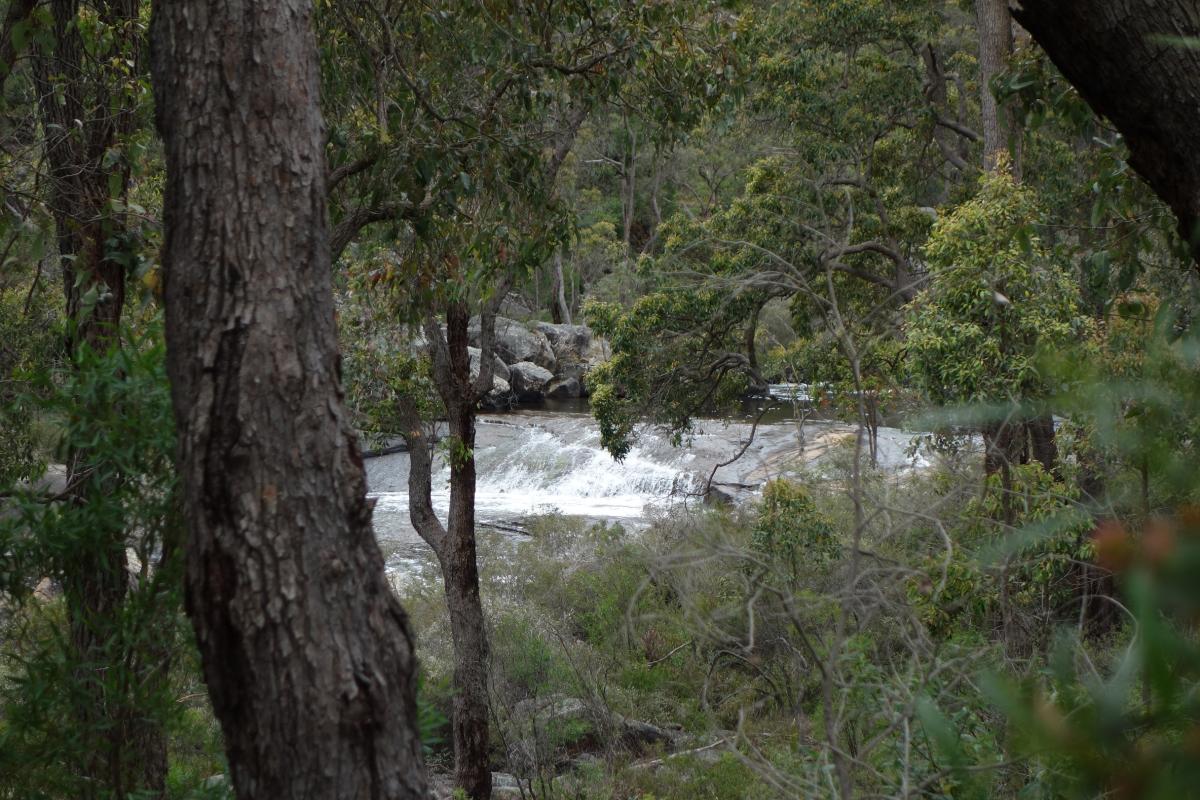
{"x": 307, "y": 653}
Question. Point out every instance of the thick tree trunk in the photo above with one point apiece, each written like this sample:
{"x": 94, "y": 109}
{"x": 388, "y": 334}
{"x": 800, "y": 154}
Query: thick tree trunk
{"x": 454, "y": 543}
{"x": 307, "y": 653}
{"x": 1135, "y": 62}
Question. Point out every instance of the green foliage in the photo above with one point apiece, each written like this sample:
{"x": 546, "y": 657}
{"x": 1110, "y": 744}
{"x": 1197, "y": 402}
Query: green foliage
{"x": 670, "y": 361}
{"x": 1130, "y": 730}
{"x": 996, "y": 300}
{"x": 791, "y": 529}
{"x": 113, "y": 534}
{"x": 27, "y": 345}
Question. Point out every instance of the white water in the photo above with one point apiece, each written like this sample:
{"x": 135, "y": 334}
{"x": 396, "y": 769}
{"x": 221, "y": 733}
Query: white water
{"x": 534, "y": 463}
{"x": 533, "y": 470}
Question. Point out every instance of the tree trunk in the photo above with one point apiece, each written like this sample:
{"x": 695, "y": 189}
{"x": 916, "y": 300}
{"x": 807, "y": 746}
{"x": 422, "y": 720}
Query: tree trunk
{"x": 307, "y": 653}
{"x": 1135, "y": 62}
{"x": 467, "y": 626}
{"x": 559, "y": 309}
{"x": 454, "y": 543}
{"x": 1042, "y": 443}
{"x": 995, "y": 48}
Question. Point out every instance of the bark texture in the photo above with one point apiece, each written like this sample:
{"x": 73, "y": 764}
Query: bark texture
{"x": 1137, "y": 63}
{"x": 307, "y": 653}
{"x": 995, "y": 48}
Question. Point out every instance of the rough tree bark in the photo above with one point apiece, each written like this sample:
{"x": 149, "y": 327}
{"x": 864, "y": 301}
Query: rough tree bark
{"x": 454, "y": 542}
{"x": 307, "y": 654}
{"x": 995, "y": 48}
{"x": 1137, "y": 63}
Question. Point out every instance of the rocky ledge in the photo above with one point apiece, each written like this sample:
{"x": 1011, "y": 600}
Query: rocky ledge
{"x": 538, "y": 361}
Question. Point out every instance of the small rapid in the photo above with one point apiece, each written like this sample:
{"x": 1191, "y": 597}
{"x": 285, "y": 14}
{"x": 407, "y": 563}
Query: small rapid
{"x": 531, "y": 463}
{"x": 532, "y": 466}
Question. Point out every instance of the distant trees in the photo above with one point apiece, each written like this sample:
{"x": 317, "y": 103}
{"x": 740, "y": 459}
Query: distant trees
{"x": 307, "y": 653}
{"x": 74, "y": 139}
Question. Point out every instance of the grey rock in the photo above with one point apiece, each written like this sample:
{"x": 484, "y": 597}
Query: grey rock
{"x": 499, "y": 368}
{"x": 529, "y": 381}
{"x": 500, "y": 398}
{"x": 516, "y": 343}
{"x": 504, "y": 787}
{"x": 569, "y": 342}
{"x": 508, "y": 787}
{"x": 578, "y": 350}
{"x": 565, "y": 389}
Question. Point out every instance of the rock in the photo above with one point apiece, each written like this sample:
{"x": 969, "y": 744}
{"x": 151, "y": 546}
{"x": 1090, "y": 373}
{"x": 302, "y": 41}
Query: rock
{"x": 499, "y": 368}
{"x": 217, "y": 786}
{"x": 719, "y": 496}
{"x": 577, "y": 351}
{"x": 565, "y": 389}
{"x": 500, "y": 398}
{"x": 504, "y": 787}
{"x": 46, "y": 591}
{"x": 529, "y": 381}
{"x": 509, "y": 787}
{"x": 569, "y": 342}
{"x": 516, "y": 343}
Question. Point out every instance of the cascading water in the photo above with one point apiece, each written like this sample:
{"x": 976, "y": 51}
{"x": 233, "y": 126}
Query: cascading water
{"x": 534, "y": 463}
{"x": 555, "y": 465}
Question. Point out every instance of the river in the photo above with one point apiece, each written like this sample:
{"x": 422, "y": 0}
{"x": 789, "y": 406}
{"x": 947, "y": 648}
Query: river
{"x": 536, "y": 462}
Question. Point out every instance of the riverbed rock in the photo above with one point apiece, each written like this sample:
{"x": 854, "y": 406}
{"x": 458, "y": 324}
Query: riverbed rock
{"x": 569, "y": 342}
{"x": 516, "y": 343}
{"x": 565, "y": 389}
{"x": 578, "y": 350}
{"x": 500, "y": 398}
{"x": 529, "y": 381}
{"x": 499, "y": 368}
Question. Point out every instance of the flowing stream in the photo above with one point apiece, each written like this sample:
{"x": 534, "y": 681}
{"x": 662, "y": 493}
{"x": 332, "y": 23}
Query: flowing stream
{"x": 541, "y": 462}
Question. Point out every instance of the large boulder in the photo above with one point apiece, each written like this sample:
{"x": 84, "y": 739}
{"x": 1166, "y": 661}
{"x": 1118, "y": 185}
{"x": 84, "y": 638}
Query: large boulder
{"x": 516, "y": 343}
{"x": 577, "y": 351}
{"x": 569, "y": 342}
{"x": 500, "y": 398}
{"x": 568, "y": 388}
{"x": 499, "y": 368}
{"x": 529, "y": 381}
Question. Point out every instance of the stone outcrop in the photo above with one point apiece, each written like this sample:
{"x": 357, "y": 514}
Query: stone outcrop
{"x": 515, "y": 342}
{"x": 529, "y": 381}
{"x": 499, "y": 368}
{"x": 538, "y": 361}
